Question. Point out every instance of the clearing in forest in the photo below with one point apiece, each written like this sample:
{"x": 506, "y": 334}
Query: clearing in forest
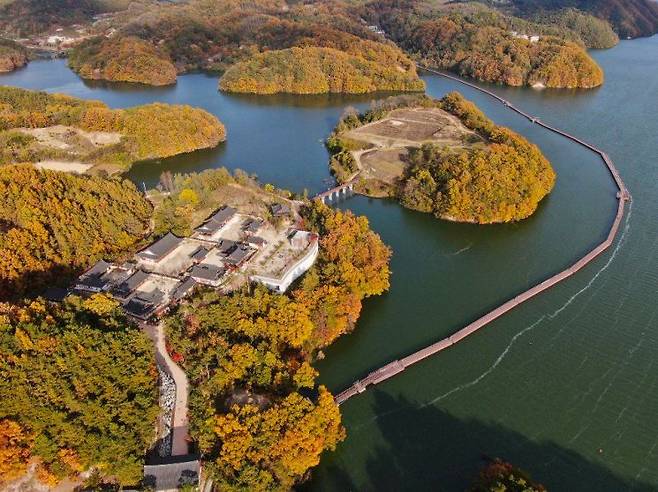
{"x": 388, "y": 141}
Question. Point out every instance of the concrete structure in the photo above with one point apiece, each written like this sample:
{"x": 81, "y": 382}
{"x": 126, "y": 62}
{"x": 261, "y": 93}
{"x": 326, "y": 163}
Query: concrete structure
{"x": 336, "y": 192}
{"x": 308, "y": 245}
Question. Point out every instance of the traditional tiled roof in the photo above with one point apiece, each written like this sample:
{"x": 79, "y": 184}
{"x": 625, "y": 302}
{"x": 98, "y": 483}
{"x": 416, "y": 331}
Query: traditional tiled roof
{"x": 128, "y": 286}
{"x": 161, "y": 248}
{"x": 183, "y": 289}
{"x": 217, "y": 220}
{"x": 239, "y": 254}
{"x": 206, "y": 271}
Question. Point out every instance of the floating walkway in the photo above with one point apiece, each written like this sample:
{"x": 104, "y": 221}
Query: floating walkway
{"x": 397, "y": 366}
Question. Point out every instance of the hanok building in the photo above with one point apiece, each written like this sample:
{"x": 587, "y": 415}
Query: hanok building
{"x": 256, "y": 241}
{"x": 144, "y": 305}
{"x": 208, "y": 274}
{"x": 101, "y": 277}
{"x": 93, "y": 280}
{"x": 125, "y": 289}
{"x": 152, "y": 255}
{"x": 252, "y": 226}
{"x": 280, "y": 210}
{"x": 239, "y": 255}
{"x": 212, "y": 227}
{"x": 183, "y": 289}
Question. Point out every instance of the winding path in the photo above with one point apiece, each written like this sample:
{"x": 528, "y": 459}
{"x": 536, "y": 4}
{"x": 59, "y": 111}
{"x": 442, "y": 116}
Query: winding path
{"x": 180, "y": 439}
{"x": 397, "y": 366}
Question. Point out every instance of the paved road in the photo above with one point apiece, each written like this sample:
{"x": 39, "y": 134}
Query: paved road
{"x": 180, "y": 438}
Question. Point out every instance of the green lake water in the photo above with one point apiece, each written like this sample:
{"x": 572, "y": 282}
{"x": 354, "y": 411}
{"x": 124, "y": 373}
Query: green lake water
{"x": 566, "y": 386}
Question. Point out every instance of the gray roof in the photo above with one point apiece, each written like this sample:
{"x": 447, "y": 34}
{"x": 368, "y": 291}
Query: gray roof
{"x": 93, "y": 278}
{"x": 252, "y": 225}
{"x": 161, "y": 248}
{"x": 207, "y": 271}
{"x": 280, "y": 209}
{"x": 239, "y": 254}
{"x": 199, "y": 254}
{"x": 155, "y": 297}
{"x": 183, "y": 289}
{"x": 256, "y": 240}
{"x": 217, "y": 220}
{"x": 226, "y": 246}
{"x": 139, "y": 308}
{"x": 128, "y": 286}
{"x": 99, "y": 268}
{"x": 172, "y": 476}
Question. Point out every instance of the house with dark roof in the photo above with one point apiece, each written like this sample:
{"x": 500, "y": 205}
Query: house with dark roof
{"x": 93, "y": 280}
{"x": 251, "y": 226}
{"x": 157, "y": 251}
{"x": 140, "y": 308}
{"x": 199, "y": 254}
{"x": 216, "y": 221}
{"x": 256, "y": 241}
{"x": 280, "y": 210}
{"x": 240, "y": 254}
{"x": 208, "y": 274}
{"x": 226, "y": 246}
{"x": 126, "y": 288}
{"x": 183, "y": 289}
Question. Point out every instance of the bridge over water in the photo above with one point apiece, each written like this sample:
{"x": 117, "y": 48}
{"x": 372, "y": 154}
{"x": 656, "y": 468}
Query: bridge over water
{"x": 397, "y": 366}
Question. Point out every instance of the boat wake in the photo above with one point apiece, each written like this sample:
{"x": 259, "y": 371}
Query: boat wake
{"x": 460, "y": 251}
{"x": 527, "y": 329}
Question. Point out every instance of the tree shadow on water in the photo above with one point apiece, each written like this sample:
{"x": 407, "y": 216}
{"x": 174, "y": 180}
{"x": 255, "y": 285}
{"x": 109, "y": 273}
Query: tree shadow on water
{"x": 429, "y": 449}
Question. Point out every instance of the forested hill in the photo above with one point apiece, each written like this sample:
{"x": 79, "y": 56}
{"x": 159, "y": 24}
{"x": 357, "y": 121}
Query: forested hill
{"x": 629, "y": 18}
{"x": 486, "y": 45}
{"x": 22, "y": 18}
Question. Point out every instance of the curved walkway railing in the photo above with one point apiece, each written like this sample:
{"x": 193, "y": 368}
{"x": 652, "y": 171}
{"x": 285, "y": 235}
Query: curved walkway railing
{"x": 397, "y": 366}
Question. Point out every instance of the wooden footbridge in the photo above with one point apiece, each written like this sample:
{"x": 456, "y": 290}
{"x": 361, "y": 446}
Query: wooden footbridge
{"x": 397, "y": 366}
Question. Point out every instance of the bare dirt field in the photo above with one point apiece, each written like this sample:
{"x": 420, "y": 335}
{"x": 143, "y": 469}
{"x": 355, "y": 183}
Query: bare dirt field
{"x": 393, "y": 136}
{"x": 69, "y": 138}
{"x": 413, "y": 127}
{"x": 66, "y": 166}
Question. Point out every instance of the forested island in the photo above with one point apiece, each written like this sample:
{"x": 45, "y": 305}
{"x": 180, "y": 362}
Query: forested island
{"x": 62, "y": 132}
{"x": 256, "y": 412}
{"x": 443, "y": 157}
{"x": 317, "y": 71}
{"x": 122, "y": 59}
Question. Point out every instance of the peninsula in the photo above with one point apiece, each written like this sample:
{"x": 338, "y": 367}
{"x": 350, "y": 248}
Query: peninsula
{"x": 248, "y": 289}
{"x": 444, "y": 157}
{"x": 64, "y": 133}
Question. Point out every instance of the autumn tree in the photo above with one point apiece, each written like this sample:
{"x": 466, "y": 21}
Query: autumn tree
{"x": 78, "y": 388}
{"x": 55, "y": 224}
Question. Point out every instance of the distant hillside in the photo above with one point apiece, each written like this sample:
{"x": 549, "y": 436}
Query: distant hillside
{"x": 12, "y": 55}
{"x": 22, "y": 18}
{"x": 486, "y": 45}
{"x": 629, "y": 18}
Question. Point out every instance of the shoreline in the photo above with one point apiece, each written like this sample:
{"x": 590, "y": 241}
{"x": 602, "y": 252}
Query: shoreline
{"x": 397, "y": 366}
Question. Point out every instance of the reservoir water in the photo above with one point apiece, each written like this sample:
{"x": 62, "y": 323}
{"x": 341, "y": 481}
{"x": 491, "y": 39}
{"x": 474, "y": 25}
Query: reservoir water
{"x": 566, "y": 386}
